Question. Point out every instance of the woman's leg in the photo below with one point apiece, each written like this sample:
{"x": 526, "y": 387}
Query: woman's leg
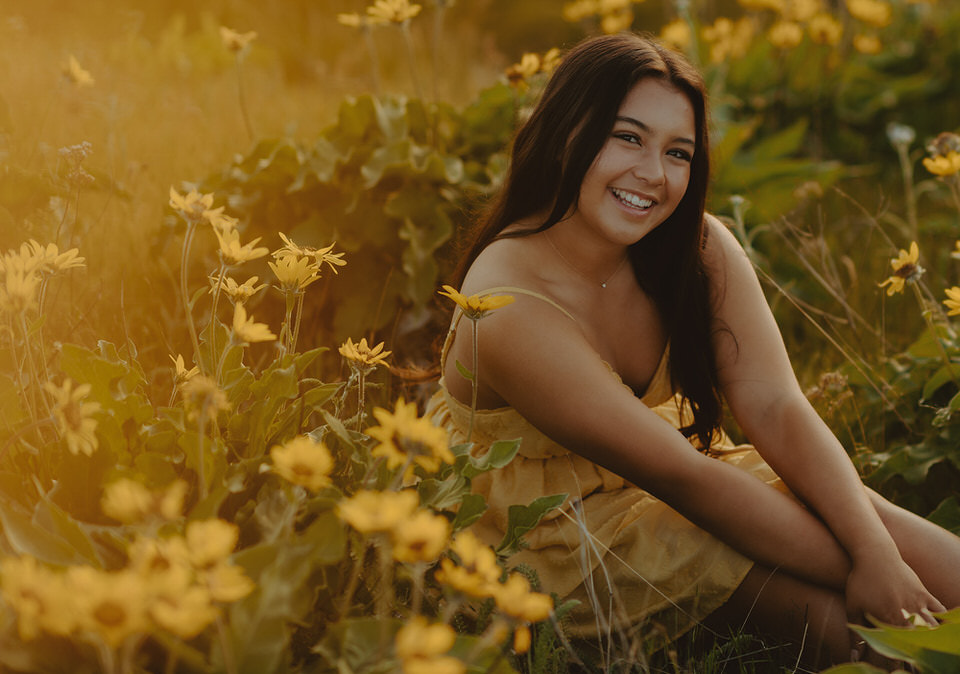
{"x": 776, "y": 604}
{"x": 930, "y": 550}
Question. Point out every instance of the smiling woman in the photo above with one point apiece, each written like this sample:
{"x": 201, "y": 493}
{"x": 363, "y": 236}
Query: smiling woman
{"x": 614, "y": 383}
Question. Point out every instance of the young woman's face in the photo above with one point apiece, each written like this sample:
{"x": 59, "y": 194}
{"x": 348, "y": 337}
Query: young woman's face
{"x": 642, "y": 171}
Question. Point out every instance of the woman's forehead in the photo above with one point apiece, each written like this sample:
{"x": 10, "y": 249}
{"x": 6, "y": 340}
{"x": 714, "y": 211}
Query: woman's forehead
{"x": 661, "y": 107}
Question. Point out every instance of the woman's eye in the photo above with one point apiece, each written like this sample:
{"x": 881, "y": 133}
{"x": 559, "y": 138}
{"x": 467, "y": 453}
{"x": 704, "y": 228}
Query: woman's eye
{"x": 680, "y": 154}
{"x": 627, "y": 136}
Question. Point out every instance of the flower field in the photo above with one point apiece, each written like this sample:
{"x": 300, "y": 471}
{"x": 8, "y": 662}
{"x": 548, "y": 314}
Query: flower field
{"x": 225, "y": 230}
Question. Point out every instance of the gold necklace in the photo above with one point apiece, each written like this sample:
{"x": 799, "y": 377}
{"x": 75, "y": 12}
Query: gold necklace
{"x": 603, "y": 283}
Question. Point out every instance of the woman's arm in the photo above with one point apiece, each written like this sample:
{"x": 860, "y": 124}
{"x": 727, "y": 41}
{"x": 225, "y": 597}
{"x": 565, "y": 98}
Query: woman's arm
{"x": 537, "y": 360}
{"x": 762, "y": 391}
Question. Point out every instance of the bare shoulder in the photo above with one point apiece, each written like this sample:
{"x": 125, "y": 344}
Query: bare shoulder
{"x": 506, "y": 262}
{"x": 721, "y": 250}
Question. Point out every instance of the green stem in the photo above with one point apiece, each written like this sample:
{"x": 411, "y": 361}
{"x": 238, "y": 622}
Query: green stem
{"x": 296, "y": 322}
{"x": 906, "y": 170}
{"x": 228, "y": 660}
{"x": 374, "y": 63}
{"x": 361, "y": 385}
{"x": 201, "y": 459}
{"x": 184, "y": 259}
{"x": 35, "y": 383}
{"x": 24, "y": 389}
{"x": 243, "y": 100}
{"x": 43, "y": 350}
{"x": 213, "y": 316}
{"x": 475, "y": 383}
{"x": 286, "y": 333}
{"x": 936, "y": 334}
{"x": 408, "y": 43}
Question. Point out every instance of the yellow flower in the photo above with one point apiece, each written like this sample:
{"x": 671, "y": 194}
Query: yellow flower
{"x": 321, "y": 256}
{"x": 294, "y": 272}
{"x": 235, "y": 41}
{"x": 192, "y": 205}
{"x": 355, "y": 20}
{"x": 802, "y": 10}
{"x": 515, "y": 599}
{"x": 129, "y": 501}
{"x": 550, "y": 60}
{"x": 420, "y": 538}
{"x": 677, "y": 34}
{"x": 38, "y": 595}
{"x": 955, "y": 253}
{"x": 422, "y": 648}
{"x": 943, "y": 165}
{"x": 824, "y": 29}
{"x": 521, "y": 639}
{"x": 477, "y": 574}
{"x": 163, "y": 562}
{"x": 75, "y": 74}
{"x": 49, "y": 259}
{"x": 579, "y": 10}
{"x": 74, "y": 416}
{"x": 226, "y": 582}
{"x": 371, "y": 511}
{"x": 186, "y": 613}
{"x": 728, "y": 40}
{"x": 785, "y": 34}
{"x": 396, "y": 11}
{"x": 21, "y": 283}
{"x": 233, "y": 252}
{"x": 953, "y": 301}
{"x": 867, "y": 44}
{"x": 247, "y": 330}
{"x": 362, "y": 355}
{"x": 905, "y": 269}
{"x": 520, "y": 72}
{"x": 126, "y": 501}
{"x": 111, "y": 605}
{"x": 203, "y": 398}
{"x": 303, "y": 461}
{"x": 873, "y": 12}
{"x": 238, "y": 293}
{"x": 476, "y": 307}
{"x": 220, "y": 221}
{"x": 181, "y": 373}
{"x": 210, "y": 541}
{"x": 403, "y": 435}
{"x": 616, "y": 21}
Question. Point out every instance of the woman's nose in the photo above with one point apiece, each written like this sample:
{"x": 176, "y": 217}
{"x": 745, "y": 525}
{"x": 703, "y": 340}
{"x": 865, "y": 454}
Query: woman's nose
{"x": 650, "y": 169}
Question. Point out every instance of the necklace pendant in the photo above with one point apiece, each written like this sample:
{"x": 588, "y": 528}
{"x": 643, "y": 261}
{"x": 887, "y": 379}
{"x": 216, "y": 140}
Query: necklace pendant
{"x": 603, "y": 284}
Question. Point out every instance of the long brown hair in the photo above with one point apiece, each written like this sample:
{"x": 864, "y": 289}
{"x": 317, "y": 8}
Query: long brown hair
{"x": 551, "y": 154}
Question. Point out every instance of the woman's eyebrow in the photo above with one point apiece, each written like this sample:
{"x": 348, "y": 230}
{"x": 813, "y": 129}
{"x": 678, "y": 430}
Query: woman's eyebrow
{"x": 643, "y": 127}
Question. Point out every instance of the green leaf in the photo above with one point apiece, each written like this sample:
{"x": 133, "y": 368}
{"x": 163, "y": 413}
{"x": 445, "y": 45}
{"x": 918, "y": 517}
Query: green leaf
{"x": 947, "y": 514}
{"x": 25, "y": 537}
{"x": 443, "y": 494}
{"x": 854, "y": 668}
{"x": 260, "y": 624}
{"x": 359, "y": 645}
{"x": 944, "y": 374}
{"x": 326, "y": 538}
{"x": 472, "y": 507}
{"x": 936, "y": 650}
{"x": 499, "y": 455}
{"x": 464, "y": 372}
{"x": 521, "y": 519}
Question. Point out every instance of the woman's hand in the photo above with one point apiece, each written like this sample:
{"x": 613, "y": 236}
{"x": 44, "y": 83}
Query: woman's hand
{"x": 881, "y": 585}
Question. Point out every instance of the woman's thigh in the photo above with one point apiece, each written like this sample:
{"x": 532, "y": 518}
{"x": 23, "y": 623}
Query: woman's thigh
{"x": 772, "y": 603}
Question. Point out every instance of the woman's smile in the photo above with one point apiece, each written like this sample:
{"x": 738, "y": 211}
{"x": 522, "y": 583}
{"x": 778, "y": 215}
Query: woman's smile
{"x": 641, "y": 173}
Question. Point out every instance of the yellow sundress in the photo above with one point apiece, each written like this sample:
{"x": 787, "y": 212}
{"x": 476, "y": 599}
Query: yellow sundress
{"x": 633, "y": 562}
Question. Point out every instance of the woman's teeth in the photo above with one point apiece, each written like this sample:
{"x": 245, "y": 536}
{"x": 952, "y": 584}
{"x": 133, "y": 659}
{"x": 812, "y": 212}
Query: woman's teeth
{"x": 631, "y": 199}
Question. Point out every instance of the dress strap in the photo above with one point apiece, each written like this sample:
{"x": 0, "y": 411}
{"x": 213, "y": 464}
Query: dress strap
{"x": 499, "y": 290}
